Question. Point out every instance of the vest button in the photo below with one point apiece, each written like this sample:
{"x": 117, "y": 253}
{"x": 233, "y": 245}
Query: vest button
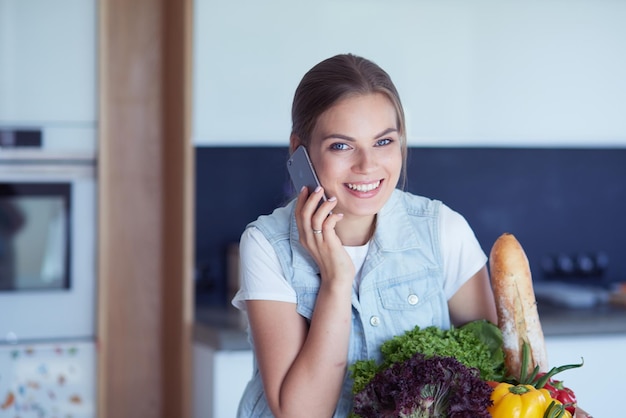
{"x": 413, "y": 299}
{"x": 374, "y": 321}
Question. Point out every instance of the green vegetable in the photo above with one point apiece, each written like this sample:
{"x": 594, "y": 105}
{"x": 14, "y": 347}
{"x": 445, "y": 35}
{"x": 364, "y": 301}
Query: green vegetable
{"x": 477, "y": 344}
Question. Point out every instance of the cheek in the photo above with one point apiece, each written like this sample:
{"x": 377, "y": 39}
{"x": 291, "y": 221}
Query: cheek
{"x": 394, "y": 161}
{"x": 328, "y": 173}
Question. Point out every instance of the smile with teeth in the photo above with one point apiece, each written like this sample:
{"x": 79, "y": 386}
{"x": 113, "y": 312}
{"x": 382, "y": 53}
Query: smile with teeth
{"x": 363, "y": 187}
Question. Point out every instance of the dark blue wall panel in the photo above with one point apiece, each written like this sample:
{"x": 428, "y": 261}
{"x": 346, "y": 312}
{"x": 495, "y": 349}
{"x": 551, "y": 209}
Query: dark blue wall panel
{"x": 556, "y": 201}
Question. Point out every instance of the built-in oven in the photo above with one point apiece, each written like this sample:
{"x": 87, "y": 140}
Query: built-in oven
{"x": 47, "y": 246}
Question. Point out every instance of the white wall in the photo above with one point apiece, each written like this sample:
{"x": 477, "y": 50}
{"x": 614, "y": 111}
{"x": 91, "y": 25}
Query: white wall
{"x": 487, "y": 72}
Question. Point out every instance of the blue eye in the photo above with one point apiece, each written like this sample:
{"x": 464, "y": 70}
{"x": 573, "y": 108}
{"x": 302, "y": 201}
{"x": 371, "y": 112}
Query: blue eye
{"x": 383, "y": 142}
{"x": 338, "y": 146}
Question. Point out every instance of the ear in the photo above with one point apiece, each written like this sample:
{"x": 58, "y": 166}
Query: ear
{"x": 294, "y": 142}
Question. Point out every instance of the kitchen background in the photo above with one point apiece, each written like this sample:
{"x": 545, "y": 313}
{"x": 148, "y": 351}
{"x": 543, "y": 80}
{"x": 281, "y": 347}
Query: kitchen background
{"x": 94, "y": 104}
{"x": 515, "y": 113}
{"x": 515, "y": 119}
{"x": 48, "y": 282}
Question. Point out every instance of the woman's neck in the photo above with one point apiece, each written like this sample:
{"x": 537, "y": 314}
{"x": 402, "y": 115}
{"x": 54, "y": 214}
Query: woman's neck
{"x": 356, "y": 231}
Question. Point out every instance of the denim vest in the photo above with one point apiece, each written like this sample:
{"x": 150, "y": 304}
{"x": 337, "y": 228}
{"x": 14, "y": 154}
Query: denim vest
{"x": 401, "y": 287}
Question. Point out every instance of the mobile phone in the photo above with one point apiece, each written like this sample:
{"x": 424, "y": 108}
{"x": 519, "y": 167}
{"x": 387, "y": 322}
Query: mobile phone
{"x": 302, "y": 172}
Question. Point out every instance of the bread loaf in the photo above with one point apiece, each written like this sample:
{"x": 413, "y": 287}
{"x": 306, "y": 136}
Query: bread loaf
{"x": 518, "y": 318}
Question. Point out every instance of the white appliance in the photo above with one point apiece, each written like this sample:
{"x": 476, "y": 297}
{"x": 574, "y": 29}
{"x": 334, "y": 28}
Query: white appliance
{"x": 47, "y": 247}
{"x": 47, "y": 285}
{"x": 48, "y": 126}
{"x": 47, "y": 380}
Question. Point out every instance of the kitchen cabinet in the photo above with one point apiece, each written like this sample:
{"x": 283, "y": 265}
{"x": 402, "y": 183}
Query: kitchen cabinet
{"x": 598, "y": 383}
{"x": 470, "y": 73}
{"x": 48, "y": 73}
{"x": 220, "y": 377}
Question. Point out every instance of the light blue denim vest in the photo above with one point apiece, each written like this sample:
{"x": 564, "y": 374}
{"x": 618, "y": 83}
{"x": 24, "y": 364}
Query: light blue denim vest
{"x": 401, "y": 287}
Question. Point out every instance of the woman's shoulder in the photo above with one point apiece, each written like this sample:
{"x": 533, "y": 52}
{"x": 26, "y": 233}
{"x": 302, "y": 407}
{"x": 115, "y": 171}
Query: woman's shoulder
{"x": 427, "y": 206}
{"x": 277, "y": 223}
{"x": 417, "y": 204}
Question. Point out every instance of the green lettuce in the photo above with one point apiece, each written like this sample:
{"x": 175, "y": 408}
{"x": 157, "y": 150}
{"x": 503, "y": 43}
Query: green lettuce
{"x": 477, "y": 344}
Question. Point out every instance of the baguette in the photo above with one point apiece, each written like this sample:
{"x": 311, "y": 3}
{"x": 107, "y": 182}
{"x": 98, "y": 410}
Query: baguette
{"x": 516, "y": 306}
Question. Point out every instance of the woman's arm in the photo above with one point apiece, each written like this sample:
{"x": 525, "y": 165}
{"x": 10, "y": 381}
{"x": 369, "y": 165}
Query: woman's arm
{"x": 474, "y": 300}
{"x": 462, "y": 256}
{"x": 303, "y": 365}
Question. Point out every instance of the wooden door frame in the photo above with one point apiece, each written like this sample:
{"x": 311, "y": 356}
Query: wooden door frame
{"x": 145, "y": 220}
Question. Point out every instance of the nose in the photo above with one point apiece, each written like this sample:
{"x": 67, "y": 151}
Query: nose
{"x": 365, "y": 161}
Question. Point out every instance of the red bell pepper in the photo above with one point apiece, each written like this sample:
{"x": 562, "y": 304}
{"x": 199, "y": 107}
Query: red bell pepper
{"x": 562, "y": 394}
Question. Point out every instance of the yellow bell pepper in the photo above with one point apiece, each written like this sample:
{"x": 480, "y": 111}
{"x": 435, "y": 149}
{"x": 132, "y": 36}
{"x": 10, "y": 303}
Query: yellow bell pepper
{"x": 519, "y": 401}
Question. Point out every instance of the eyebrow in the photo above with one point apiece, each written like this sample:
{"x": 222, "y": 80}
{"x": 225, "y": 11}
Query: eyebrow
{"x": 349, "y": 138}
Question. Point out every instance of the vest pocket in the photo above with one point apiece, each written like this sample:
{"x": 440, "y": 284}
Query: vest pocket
{"x": 408, "y": 293}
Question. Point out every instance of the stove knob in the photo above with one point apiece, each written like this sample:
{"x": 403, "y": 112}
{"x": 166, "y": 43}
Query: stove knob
{"x": 565, "y": 264}
{"x": 585, "y": 264}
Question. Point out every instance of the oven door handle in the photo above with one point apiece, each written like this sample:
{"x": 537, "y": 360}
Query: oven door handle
{"x": 44, "y": 171}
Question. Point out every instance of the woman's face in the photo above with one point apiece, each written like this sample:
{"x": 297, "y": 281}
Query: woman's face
{"x": 356, "y": 151}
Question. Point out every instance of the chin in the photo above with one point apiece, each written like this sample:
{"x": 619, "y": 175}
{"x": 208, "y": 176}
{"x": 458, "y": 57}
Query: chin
{"x": 365, "y": 208}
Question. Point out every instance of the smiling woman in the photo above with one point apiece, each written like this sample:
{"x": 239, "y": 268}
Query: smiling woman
{"x": 357, "y": 150}
{"x": 324, "y": 285}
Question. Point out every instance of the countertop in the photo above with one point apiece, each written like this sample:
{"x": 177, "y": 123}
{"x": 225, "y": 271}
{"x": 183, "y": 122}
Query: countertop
{"x": 225, "y": 328}
{"x": 221, "y": 328}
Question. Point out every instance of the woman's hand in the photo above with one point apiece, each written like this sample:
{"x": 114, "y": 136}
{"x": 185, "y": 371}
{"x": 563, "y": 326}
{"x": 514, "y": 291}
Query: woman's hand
{"x": 316, "y": 227}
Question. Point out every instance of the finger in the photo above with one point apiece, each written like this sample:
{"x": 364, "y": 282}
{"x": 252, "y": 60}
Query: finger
{"x": 323, "y": 212}
{"x": 317, "y": 233}
{"x": 331, "y": 222}
{"x": 303, "y": 222}
{"x": 301, "y": 199}
{"x": 306, "y": 207}
{"x": 314, "y": 201}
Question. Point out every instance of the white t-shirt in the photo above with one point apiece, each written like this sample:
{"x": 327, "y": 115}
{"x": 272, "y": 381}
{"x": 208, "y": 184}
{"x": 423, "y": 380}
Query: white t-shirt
{"x": 262, "y": 277}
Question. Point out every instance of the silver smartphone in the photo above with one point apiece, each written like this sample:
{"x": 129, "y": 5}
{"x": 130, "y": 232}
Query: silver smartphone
{"x": 302, "y": 172}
